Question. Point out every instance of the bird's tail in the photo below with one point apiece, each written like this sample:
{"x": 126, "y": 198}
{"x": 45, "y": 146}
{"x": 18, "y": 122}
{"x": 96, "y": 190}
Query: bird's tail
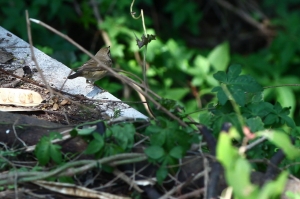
{"x": 73, "y": 76}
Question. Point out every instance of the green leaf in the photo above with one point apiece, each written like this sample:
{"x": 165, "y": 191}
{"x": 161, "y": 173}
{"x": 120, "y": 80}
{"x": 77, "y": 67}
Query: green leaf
{"x": 95, "y": 145}
{"x": 124, "y": 135}
{"x": 247, "y": 84}
{"x": 239, "y": 178}
{"x": 112, "y": 149}
{"x": 233, "y": 72}
{"x": 176, "y": 93}
{"x": 222, "y": 97}
{"x": 237, "y": 86}
{"x": 161, "y": 174}
{"x": 46, "y": 150}
{"x": 85, "y": 131}
{"x": 155, "y": 152}
{"x": 270, "y": 119}
{"x": 226, "y": 153}
{"x": 222, "y": 118}
{"x": 286, "y": 96}
{"x": 55, "y": 153}
{"x": 153, "y": 129}
{"x": 282, "y": 141}
{"x": 289, "y": 121}
{"x": 177, "y": 152}
{"x": 260, "y": 109}
{"x": 205, "y": 118}
{"x": 274, "y": 188}
{"x": 220, "y": 76}
{"x": 158, "y": 138}
{"x": 201, "y": 67}
{"x": 42, "y": 152}
{"x": 255, "y": 124}
{"x": 200, "y": 70}
{"x": 98, "y": 137}
{"x": 219, "y": 56}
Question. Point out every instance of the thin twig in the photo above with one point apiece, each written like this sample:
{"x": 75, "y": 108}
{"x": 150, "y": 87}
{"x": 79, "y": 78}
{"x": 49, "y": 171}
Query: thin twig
{"x": 33, "y": 56}
{"x": 192, "y": 194}
{"x": 180, "y": 186}
{"x": 126, "y": 179}
{"x": 15, "y": 132}
{"x": 68, "y": 169}
{"x": 145, "y": 83}
{"x": 256, "y": 142}
{"x": 122, "y": 78}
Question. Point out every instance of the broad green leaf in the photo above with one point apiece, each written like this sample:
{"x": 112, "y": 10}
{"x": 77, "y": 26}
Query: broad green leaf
{"x": 112, "y": 149}
{"x": 155, "y": 152}
{"x": 85, "y": 131}
{"x": 55, "y": 153}
{"x": 98, "y": 137}
{"x": 46, "y": 150}
{"x": 238, "y": 96}
{"x": 42, "y": 152}
{"x": 255, "y": 124}
{"x": 260, "y": 109}
{"x": 289, "y": 121}
{"x": 94, "y": 146}
{"x": 205, "y": 118}
{"x": 158, "y": 138}
{"x": 283, "y": 142}
{"x": 222, "y": 97}
{"x": 226, "y": 153}
{"x": 177, "y": 152}
{"x": 55, "y": 135}
{"x": 177, "y": 93}
{"x": 247, "y": 84}
{"x": 292, "y": 195}
{"x": 219, "y": 56}
{"x": 270, "y": 119}
{"x": 153, "y": 129}
{"x": 161, "y": 174}
{"x": 233, "y": 72}
{"x": 286, "y": 97}
{"x": 202, "y": 64}
{"x": 199, "y": 71}
{"x": 274, "y": 188}
{"x": 234, "y": 134}
{"x": 238, "y": 177}
{"x": 124, "y": 135}
{"x": 221, "y": 76}
{"x": 237, "y": 86}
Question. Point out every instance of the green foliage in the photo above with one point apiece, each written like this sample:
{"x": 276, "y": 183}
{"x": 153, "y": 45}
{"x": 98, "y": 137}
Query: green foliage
{"x": 282, "y": 141}
{"x": 45, "y": 150}
{"x": 168, "y": 144}
{"x": 238, "y": 86}
{"x": 183, "y": 75}
{"x": 292, "y": 195}
{"x": 117, "y": 139}
{"x": 246, "y": 93}
{"x": 219, "y": 56}
{"x": 6, "y": 154}
{"x": 238, "y": 170}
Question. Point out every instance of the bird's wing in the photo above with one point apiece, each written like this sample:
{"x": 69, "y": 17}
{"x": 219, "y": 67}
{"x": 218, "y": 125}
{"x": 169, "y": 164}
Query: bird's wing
{"x": 91, "y": 65}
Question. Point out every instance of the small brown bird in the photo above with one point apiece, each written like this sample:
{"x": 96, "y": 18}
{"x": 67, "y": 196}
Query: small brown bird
{"x": 92, "y": 70}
